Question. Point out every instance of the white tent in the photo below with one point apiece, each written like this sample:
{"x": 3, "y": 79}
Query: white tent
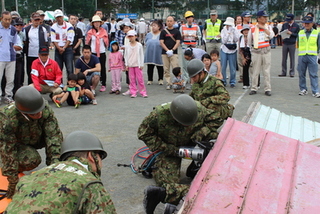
{"x": 49, "y": 15}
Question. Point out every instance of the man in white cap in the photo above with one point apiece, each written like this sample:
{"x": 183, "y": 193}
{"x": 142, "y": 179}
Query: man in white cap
{"x": 142, "y": 30}
{"x": 211, "y": 32}
{"x": 62, "y": 34}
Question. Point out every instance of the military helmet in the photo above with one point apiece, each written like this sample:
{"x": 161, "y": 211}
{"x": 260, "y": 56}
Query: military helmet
{"x": 28, "y": 100}
{"x": 194, "y": 67}
{"x": 184, "y": 110}
{"x": 188, "y": 14}
{"x": 79, "y": 141}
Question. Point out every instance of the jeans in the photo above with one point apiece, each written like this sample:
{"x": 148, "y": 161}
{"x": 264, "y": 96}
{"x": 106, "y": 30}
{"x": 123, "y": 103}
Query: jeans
{"x": 232, "y": 58}
{"x": 273, "y": 42}
{"x": 67, "y": 58}
{"x": 310, "y": 62}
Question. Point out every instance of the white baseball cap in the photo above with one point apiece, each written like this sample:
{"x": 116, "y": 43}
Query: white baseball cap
{"x": 131, "y": 33}
{"x": 57, "y": 13}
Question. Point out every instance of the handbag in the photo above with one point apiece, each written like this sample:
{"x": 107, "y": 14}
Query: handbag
{"x": 231, "y": 46}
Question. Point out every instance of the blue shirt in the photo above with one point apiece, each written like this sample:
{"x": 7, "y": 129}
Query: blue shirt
{"x": 92, "y": 63}
{"x": 8, "y": 37}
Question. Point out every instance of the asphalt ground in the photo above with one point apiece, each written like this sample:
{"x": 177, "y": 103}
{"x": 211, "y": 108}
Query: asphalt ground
{"x": 116, "y": 118}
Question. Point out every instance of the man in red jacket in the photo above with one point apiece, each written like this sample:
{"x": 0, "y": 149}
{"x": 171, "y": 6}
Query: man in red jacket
{"x": 46, "y": 74}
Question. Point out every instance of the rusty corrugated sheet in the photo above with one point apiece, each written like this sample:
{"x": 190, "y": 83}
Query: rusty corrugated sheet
{"x": 253, "y": 170}
{"x": 273, "y": 120}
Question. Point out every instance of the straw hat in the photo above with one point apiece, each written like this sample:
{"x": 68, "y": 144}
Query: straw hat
{"x": 96, "y": 18}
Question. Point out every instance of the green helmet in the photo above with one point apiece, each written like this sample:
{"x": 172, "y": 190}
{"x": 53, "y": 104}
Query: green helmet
{"x": 28, "y": 100}
{"x": 194, "y": 67}
{"x": 78, "y": 141}
{"x": 184, "y": 110}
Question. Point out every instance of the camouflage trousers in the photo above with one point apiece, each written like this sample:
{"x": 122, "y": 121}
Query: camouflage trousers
{"x": 167, "y": 175}
{"x": 28, "y": 158}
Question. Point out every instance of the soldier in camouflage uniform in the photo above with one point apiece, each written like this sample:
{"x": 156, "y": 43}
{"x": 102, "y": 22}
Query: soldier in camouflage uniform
{"x": 70, "y": 186}
{"x": 30, "y": 124}
{"x": 209, "y": 90}
{"x": 168, "y": 127}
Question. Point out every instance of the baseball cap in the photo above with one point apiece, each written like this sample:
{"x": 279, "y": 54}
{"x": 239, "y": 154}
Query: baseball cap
{"x": 307, "y": 19}
{"x": 246, "y": 14}
{"x": 44, "y": 50}
{"x": 245, "y": 27}
{"x": 262, "y": 13}
{"x": 35, "y": 16}
{"x": 131, "y": 33}
{"x": 40, "y": 12}
{"x": 213, "y": 12}
{"x": 17, "y": 21}
{"x": 15, "y": 13}
{"x": 289, "y": 17}
{"x": 57, "y": 13}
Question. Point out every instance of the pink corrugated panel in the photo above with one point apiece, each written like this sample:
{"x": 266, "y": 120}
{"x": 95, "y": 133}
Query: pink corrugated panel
{"x": 252, "y": 170}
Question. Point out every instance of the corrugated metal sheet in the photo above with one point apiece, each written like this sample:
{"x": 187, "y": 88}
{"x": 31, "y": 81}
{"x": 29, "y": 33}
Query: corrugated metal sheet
{"x": 273, "y": 120}
{"x": 253, "y": 170}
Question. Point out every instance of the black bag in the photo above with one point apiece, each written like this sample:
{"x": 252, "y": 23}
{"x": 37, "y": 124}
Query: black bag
{"x": 231, "y": 46}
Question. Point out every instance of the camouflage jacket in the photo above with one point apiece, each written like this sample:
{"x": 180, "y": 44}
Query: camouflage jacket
{"x": 213, "y": 95}
{"x": 36, "y": 133}
{"x": 64, "y": 187}
{"x": 160, "y": 131}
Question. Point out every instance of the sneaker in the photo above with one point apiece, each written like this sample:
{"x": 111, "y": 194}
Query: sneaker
{"x": 103, "y": 88}
{"x": 126, "y": 93}
{"x": 77, "y": 105}
{"x": 57, "y": 102}
{"x": 252, "y": 92}
{"x": 145, "y": 96}
{"x": 152, "y": 197}
{"x": 117, "y": 92}
{"x": 8, "y": 100}
{"x": 316, "y": 95}
{"x": 232, "y": 86}
{"x": 245, "y": 87}
{"x": 160, "y": 82}
{"x": 267, "y": 93}
{"x": 112, "y": 92}
{"x": 149, "y": 83}
{"x": 168, "y": 87}
{"x": 303, "y": 92}
{"x": 94, "y": 102}
{"x": 133, "y": 96}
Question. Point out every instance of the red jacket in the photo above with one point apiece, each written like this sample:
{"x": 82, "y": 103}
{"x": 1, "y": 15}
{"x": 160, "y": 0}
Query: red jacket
{"x": 40, "y": 72}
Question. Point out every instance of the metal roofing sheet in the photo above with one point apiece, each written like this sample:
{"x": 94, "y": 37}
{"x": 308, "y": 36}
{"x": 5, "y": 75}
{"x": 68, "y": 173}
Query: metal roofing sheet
{"x": 273, "y": 120}
{"x": 253, "y": 170}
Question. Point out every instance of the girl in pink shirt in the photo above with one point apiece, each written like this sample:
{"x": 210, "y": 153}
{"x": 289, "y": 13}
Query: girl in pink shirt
{"x": 116, "y": 65}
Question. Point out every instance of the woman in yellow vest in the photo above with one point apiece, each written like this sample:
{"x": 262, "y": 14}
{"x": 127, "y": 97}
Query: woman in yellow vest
{"x": 309, "y": 48}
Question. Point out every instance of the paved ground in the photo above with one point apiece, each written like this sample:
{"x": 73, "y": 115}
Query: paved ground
{"x": 116, "y": 118}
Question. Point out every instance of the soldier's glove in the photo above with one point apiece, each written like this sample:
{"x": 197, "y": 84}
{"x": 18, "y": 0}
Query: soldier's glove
{"x": 11, "y": 190}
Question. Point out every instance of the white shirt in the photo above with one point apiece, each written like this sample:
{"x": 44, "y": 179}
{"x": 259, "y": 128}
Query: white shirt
{"x": 113, "y": 27}
{"x": 229, "y": 36}
{"x": 34, "y": 40}
{"x": 142, "y": 27}
{"x": 93, "y": 45}
{"x": 82, "y": 27}
{"x": 62, "y": 33}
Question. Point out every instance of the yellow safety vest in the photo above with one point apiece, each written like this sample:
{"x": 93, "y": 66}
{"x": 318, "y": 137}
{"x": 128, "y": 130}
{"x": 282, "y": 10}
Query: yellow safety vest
{"x": 213, "y": 30}
{"x": 308, "y": 46}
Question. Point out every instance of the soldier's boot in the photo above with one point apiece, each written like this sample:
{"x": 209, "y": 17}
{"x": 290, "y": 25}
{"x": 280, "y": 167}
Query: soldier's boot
{"x": 152, "y": 197}
{"x": 169, "y": 208}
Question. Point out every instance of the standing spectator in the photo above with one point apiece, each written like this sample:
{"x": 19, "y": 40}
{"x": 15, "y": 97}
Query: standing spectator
{"x": 258, "y": 40}
{"x": 72, "y": 184}
{"x": 113, "y": 29}
{"x": 142, "y": 30}
{"x": 244, "y": 51}
{"x": 9, "y": 37}
{"x": 169, "y": 40}
{"x": 314, "y": 26}
{"x": 200, "y": 42}
{"x": 190, "y": 34}
{"x": 90, "y": 66}
{"x": 276, "y": 34}
{"x": 116, "y": 66}
{"x": 19, "y": 73}
{"x": 98, "y": 39}
{"x": 36, "y": 37}
{"x": 99, "y": 13}
{"x": 77, "y": 39}
{"x": 229, "y": 37}
{"x": 309, "y": 48}
{"x": 289, "y": 45}
{"x": 152, "y": 56}
{"x": 134, "y": 64}
{"x": 82, "y": 26}
{"x": 62, "y": 34}
{"x": 30, "y": 125}
{"x": 279, "y": 38}
{"x": 211, "y": 32}
{"x": 42, "y": 23}
{"x": 44, "y": 69}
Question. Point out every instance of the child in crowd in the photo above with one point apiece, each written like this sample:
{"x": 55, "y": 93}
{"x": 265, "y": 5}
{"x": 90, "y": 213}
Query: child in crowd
{"x": 214, "y": 69}
{"x": 244, "y": 51}
{"x": 134, "y": 64}
{"x": 178, "y": 84}
{"x": 85, "y": 93}
{"x": 70, "y": 93}
{"x": 116, "y": 65}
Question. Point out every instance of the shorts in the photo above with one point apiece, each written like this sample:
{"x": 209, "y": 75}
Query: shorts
{"x": 89, "y": 77}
